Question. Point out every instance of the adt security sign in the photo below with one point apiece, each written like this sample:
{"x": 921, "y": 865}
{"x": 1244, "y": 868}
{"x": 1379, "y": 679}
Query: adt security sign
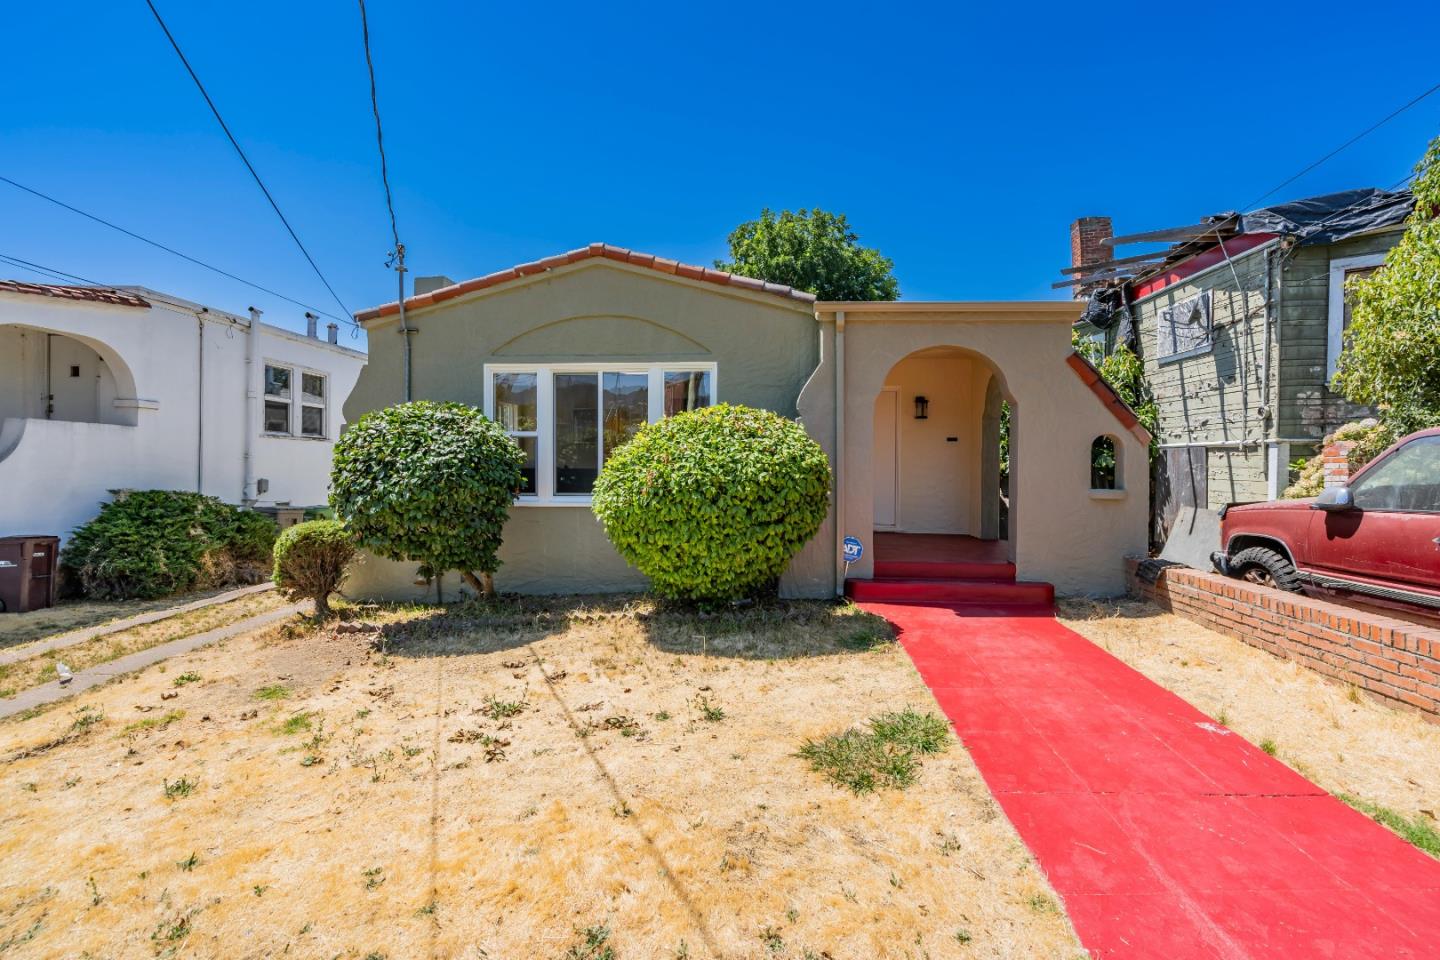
{"x": 853, "y": 549}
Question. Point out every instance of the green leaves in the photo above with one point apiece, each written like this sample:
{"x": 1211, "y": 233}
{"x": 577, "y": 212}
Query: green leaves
{"x": 712, "y": 504}
{"x": 428, "y": 482}
{"x": 811, "y": 250}
{"x": 310, "y": 560}
{"x": 1392, "y": 347}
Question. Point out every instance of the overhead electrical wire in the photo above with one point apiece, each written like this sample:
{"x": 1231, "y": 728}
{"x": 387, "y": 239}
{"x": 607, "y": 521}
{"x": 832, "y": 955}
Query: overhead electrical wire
{"x": 50, "y": 272}
{"x": 245, "y": 159}
{"x": 379, "y": 131}
{"x": 1355, "y": 139}
{"x": 172, "y": 251}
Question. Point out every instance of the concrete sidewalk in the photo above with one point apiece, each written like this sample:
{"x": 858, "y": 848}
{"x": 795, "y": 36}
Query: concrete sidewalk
{"x": 25, "y": 651}
{"x": 104, "y": 672}
{"x": 1166, "y": 835}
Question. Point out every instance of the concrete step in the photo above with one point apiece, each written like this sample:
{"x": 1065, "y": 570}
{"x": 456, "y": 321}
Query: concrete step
{"x": 915, "y": 589}
{"x": 943, "y": 570}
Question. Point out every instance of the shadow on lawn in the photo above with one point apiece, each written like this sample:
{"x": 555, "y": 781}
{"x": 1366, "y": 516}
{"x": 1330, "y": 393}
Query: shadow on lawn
{"x": 765, "y": 630}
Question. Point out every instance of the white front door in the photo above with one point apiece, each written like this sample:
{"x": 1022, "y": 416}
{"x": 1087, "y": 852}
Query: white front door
{"x": 886, "y": 450}
{"x": 73, "y": 381}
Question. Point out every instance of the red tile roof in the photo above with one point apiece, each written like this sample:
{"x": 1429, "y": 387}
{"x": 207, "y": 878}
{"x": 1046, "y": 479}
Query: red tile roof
{"x": 1086, "y": 371}
{"x": 605, "y": 250}
{"x": 92, "y": 294}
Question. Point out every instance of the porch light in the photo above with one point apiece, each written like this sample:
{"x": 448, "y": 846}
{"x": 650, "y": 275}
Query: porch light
{"x": 922, "y": 408}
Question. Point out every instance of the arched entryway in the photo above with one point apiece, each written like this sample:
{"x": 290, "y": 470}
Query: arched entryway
{"x": 940, "y": 458}
{"x": 48, "y": 375}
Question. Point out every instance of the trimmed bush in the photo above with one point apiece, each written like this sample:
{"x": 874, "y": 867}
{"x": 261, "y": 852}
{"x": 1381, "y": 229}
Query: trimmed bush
{"x": 428, "y": 482}
{"x": 310, "y": 561}
{"x": 152, "y": 543}
{"x": 712, "y": 504}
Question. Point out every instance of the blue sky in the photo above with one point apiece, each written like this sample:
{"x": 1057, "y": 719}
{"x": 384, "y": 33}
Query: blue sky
{"x": 959, "y": 141}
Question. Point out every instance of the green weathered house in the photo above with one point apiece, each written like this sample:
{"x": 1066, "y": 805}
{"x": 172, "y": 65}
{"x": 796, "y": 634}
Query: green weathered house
{"x": 1239, "y": 322}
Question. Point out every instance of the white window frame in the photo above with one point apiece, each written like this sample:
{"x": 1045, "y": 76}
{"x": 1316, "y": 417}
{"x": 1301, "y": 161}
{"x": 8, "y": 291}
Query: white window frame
{"x": 297, "y": 402}
{"x": 1335, "y": 336}
{"x": 545, "y": 495}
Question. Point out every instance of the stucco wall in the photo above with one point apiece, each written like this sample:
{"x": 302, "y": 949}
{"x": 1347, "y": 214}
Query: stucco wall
{"x": 1059, "y": 532}
{"x": 764, "y": 347}
{"x": 55, "y": 473}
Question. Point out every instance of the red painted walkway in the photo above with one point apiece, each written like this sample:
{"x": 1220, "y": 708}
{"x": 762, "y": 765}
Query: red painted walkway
{"x": 1167, "y": 836}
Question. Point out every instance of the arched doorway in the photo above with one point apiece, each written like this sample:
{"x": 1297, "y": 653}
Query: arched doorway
{"x": 47, "y": 375}
{"x": 939, "y": 464}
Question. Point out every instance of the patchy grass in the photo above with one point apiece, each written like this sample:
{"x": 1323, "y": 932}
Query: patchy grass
{"x": 419, "y": 821}
{"x": 1375, "y": 756}
{"x": 18, "y": 628}
{"x": 33, "y": 671}
{"x": 884, "y": 756}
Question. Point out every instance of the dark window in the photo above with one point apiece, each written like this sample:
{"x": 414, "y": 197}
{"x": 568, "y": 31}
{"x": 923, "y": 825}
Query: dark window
{"x": 686, "y": 390}
{"x": 312, "y": 421}
{"x": 1408, "y": 480}
{"x": 577, "y": 432}
{"x": 1103, "y": 462}
{"x": 277, "y": 417}
{"x": 627, "y": 407}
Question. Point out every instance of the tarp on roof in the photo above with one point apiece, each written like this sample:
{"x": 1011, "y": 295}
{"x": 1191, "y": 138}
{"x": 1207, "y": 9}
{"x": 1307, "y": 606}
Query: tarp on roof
{"x": 1333, "y": 216}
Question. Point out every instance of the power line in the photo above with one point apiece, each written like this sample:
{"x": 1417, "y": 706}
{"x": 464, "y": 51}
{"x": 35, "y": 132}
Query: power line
{"x": 50, "y": 272}
{"x": 1359, "y": 136}
{"x": 246, "y": 160}
{"x": 171, "y": 250}
{"x": 379, "y": 132}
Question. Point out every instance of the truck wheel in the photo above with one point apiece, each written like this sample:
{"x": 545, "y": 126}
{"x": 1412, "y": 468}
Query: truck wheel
{"x": 1267, "y": 567}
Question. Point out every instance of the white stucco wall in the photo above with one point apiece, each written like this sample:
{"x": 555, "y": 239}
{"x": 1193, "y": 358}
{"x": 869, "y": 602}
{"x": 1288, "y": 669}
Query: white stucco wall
{"x": 171, "y": 435}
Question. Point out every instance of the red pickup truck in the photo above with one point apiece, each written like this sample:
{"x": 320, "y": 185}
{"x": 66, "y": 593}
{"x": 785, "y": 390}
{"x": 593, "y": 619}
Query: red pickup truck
{"x": 1377, "y": 537}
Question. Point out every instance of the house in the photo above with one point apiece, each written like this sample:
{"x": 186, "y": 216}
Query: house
{"x": 102, "y": 389}
{"x": 1239, "y": 322}
{"x": 575, "y": 352}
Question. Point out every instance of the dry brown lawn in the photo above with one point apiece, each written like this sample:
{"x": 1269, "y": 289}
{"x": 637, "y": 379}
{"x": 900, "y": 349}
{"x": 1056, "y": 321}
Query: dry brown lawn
{"x": 1332, "y": 734}
{"x": 23, "y": 674}
{"x": 502, "y": 783}
{"x": 17, "y": 628}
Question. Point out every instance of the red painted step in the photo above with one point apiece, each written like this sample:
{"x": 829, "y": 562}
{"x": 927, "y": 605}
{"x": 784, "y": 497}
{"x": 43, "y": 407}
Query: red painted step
{"x": 916, "y": 590}
{"x": 943, "y": 570}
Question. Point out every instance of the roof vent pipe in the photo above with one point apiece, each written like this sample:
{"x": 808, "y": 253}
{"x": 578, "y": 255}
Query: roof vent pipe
{"x": 333, "y": 332}
{"x": 311, "y": 323}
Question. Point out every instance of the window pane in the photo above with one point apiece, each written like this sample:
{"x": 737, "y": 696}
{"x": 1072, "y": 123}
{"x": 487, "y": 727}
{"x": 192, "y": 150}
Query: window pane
{"x": 577, "y": 432}
{"x": 532, "y": 459}
{"x": 312, "y": 421}
{"x": 1349, "y": 298}
{"x": 277, "y": 382}
{"x": 515, "y": 401}
{"x": 277, "y": 417}
{"x": 312, "y": 387}
{"x": 1409, "y": 479}
{"x": 686, "y": 390}
{"x": 627, "y": 407}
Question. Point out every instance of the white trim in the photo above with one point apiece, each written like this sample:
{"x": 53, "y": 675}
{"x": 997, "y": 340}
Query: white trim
{"x": 297, "y": 401}
{"x": 1277, "y": 469}
{"x": 545, "y": 495}
{"x": 1335, "y": 327}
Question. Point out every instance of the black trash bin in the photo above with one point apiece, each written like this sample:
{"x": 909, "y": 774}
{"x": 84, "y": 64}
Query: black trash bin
{"x": 27, "y": 573}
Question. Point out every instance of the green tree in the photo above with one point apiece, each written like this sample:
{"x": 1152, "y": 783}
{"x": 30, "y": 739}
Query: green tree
{"x": 1392, "y": 348}
{"x": 310, "y": 561}
{"x": 428, "y": 482}
{"x": 811, "y": 250}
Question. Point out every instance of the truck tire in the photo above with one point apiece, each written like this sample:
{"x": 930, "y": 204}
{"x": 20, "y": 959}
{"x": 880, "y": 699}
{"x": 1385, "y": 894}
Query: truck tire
{"x": 1266, "y": 567}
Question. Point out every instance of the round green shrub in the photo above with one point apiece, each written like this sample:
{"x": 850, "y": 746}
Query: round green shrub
{"x": 712, "y": 504}
{"x": 310, "y": 561}
{"x": 146, "y": 544}
{"x": 428, "y": 482}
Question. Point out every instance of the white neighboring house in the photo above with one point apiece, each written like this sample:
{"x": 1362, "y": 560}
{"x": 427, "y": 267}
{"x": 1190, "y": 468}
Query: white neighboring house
{"x": 103, "y": 389}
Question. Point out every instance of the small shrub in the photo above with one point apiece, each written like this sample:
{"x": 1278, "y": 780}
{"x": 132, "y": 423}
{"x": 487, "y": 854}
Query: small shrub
{"x": 146, "y": 544}
{"x": 428, "y": 482}
{"x": 712, "y": 504}
{"x": 310, "y": 561}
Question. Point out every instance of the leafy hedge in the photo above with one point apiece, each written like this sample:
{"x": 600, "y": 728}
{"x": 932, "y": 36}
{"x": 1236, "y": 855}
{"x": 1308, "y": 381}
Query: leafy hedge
{"x": 152, "y": 543}
{"x": 428, "y": 482}
{"x": 712, "y": 504}
{"x": 310, "y": 561}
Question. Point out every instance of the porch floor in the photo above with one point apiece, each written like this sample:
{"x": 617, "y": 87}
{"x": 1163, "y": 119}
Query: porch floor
{"x": 938, "y": 548}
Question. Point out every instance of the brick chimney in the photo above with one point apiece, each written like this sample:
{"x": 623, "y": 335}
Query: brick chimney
{"x": 1086, "y": 246}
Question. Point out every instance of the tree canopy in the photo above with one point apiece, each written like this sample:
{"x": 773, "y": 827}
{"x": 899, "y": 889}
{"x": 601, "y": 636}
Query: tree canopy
{"x": 1392, "y": 348}
{"x": 811, "y": 250}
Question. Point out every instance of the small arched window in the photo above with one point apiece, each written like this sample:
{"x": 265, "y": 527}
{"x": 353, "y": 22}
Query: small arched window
{"x": 1104, "y": 464}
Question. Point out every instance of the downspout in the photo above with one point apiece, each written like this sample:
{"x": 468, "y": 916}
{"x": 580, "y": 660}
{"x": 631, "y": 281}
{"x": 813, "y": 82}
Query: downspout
{"x": 252, "y": 398}
{"x": 839, "y": 453}
{"x": 200, "y": 406}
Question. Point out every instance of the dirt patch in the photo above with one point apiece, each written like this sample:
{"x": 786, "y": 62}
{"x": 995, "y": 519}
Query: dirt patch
{"x": 510, "y": 781}
{"x": 41, "y": 668}
{"x": 1332, "y": 734}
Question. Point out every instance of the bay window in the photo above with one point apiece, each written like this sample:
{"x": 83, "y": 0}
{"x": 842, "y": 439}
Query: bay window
{"x": 569, "y": 418}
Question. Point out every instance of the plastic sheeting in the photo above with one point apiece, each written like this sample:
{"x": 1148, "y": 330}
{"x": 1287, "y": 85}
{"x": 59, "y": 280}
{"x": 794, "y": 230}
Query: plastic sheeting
{"x": 1333, "y": 216}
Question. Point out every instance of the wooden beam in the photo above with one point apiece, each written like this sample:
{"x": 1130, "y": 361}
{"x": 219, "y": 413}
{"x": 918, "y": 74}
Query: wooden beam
{"x": 1223, "y": 227}
{"x": 1107, "y": 264}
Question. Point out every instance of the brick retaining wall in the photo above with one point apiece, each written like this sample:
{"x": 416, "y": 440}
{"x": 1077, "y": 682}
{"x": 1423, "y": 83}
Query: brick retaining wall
{"x": 1390, "y": 658}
